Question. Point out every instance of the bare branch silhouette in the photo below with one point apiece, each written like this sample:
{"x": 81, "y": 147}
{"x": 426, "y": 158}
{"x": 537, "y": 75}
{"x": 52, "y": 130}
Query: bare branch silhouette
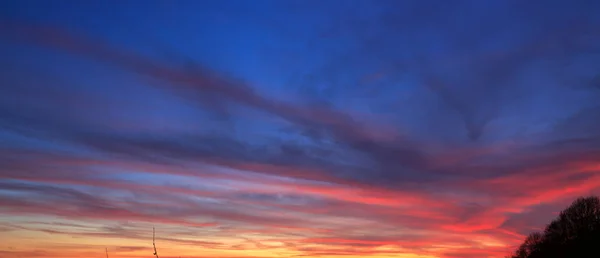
{"x": 574, "y": 233}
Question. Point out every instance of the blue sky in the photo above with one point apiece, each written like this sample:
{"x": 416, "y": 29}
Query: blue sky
{"x": 287, "y": 128}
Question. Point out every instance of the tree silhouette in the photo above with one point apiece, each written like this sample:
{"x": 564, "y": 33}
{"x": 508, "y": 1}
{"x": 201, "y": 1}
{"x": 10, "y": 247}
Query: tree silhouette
{"x": 574, "y": 234}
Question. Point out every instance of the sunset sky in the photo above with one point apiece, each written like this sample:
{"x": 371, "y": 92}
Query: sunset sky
{"x": 254, "y": 128}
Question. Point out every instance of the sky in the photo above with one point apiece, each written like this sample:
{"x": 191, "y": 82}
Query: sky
{"x": 334, "y": 129}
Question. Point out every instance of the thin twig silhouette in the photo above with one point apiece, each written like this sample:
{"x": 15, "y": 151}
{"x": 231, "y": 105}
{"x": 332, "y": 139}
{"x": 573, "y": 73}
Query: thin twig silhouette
{"x": 153, "y": 243}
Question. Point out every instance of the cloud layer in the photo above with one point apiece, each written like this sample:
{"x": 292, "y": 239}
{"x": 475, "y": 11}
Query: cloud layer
{"x": 295, "y": 129}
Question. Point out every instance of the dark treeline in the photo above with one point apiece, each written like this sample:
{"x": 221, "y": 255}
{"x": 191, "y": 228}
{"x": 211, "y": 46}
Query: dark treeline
{"x": 575, "y": 233}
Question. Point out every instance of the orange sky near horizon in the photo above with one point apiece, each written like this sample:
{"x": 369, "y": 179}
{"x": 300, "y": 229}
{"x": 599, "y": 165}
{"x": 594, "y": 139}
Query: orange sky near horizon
{"x": 375, "y": 223}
